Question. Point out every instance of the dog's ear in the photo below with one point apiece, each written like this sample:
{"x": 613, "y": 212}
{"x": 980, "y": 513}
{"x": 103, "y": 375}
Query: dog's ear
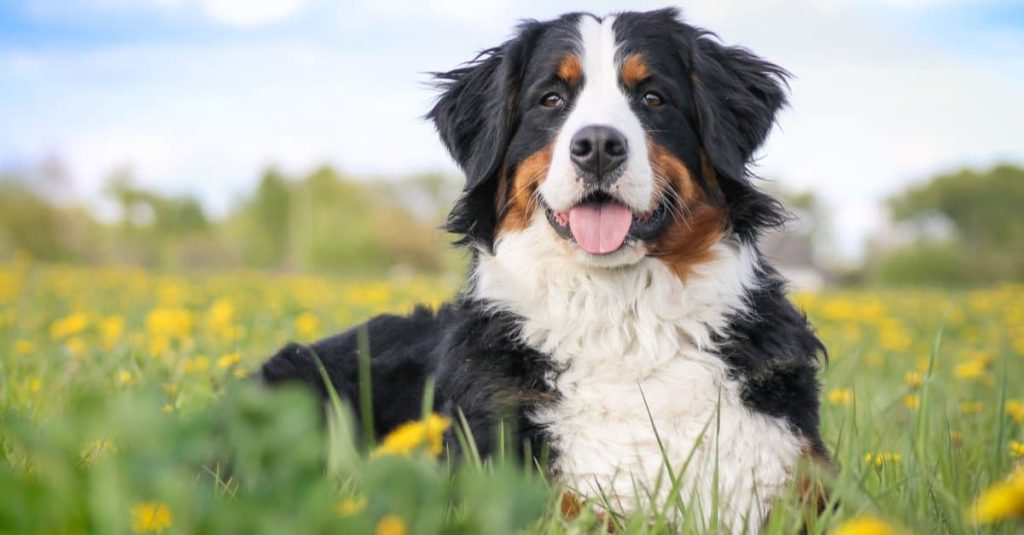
{"x": 737, "y": 96}
{"x": 472, "y": 117}
{"x": 475, "y": 116}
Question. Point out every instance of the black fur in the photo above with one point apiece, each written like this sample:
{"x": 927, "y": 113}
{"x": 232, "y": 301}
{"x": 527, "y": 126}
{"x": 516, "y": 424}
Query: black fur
{"x": 725, "y": 103}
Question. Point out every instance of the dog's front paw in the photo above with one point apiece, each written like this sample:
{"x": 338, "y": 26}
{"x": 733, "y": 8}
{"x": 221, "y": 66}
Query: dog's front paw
{"x": 292, "y": 362}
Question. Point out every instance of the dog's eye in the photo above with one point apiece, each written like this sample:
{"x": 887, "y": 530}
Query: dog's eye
{"x": 653, "y": 100}
{"x": 552, "y": 101}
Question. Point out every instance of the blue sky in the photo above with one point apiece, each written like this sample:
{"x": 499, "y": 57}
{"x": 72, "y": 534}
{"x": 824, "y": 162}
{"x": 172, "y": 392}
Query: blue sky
{"x": 199, "y": 95}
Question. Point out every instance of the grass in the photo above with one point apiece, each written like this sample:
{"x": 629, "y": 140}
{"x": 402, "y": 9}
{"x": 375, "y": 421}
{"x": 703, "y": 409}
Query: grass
{"x": 123, "y": 407}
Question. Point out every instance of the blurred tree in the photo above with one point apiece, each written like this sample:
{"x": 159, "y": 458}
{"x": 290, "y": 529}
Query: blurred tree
{"x": 965, "y": 227}
{"x": 29, "y": 223}
{"x": 269, "y": 215}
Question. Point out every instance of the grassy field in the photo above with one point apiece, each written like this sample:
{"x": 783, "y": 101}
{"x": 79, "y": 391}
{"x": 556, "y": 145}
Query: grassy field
{"x": 123, "y": 409}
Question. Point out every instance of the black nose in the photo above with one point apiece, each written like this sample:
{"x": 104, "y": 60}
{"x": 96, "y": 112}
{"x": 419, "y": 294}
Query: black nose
{"x": 598, "y": 151}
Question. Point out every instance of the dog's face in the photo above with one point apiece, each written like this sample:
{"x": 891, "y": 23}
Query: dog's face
{"x": 626, "y": 136}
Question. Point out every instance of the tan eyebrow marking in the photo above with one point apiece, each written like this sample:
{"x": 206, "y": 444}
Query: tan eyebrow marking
{"x": 634, "y": 70}
{"x": 570, "y": 70}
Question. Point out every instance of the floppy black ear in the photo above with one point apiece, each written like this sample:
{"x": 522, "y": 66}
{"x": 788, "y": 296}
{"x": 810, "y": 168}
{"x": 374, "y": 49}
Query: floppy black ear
{"x": 475, "y": 117}
{"x": 471, "y": 116}
{"x": 737, "y": 97}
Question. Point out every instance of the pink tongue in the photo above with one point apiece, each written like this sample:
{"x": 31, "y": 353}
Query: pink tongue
{"x": 600, "y": 228}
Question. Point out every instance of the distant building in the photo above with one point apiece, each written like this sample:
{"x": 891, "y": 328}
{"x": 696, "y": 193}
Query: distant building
{"x": 792, "y": 255}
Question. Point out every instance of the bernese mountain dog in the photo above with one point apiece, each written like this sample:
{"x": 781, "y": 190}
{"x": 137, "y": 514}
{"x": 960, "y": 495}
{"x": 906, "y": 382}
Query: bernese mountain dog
{"x": 617, "y": 312}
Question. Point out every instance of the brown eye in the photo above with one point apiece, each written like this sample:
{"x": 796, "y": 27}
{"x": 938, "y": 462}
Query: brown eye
{"x": 653, "y": 100}
{"x": 552, "y": 101}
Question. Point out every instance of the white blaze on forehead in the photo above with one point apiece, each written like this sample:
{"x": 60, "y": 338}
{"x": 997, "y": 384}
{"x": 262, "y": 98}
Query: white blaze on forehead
{"x": 600, "y": 102}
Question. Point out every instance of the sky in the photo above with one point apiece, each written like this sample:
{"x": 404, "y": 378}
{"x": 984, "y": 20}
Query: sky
{"x": 199, "y": 96}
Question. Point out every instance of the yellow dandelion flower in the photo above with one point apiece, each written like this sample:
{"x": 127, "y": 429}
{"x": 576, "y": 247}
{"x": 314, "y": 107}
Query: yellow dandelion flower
{"x": 351, "y": 506}
{"x": 865, "y": 525}
{"x": 1015, "y": 408}
{"x": 124, "y": 377}
{"x": 840, "y": 396}
{"x": 913, "y": 379}
{"x": 170, "y": 322}
{"x": 972, "y": 369}
{"x": 23, "y": 347}
{"x": 1002, "y": 501}
{"x": 411, "y": 436}
{"x": 69, "y": 326}
{"x": 912, "y": 401}
{"x": 1017, "y": 448}
{"x": 879, "y": 460}
{"x": 390, "y": 525}
{"x": 35, "y": 385}
{"x": 150, "y": 517}
{"x": 229, "y": 360}
{"x": 307, "y": 325}
{"x": 971, "y": 407}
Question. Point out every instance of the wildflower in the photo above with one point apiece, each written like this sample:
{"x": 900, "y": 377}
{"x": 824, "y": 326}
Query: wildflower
{"x": 972, "y": 369}
{"x": 971, "y": 407}
{"x": 69, "y": 326}
{"x": 865, "y": 525}
{"x": 411, "y": 436}
{"x": 1002, "y": 501}
{"x": 169, "y": 322}
{"x": 1015, "y": 408}
{"x": 840, "y": 396}
{"x": 307, "y": 325}
{"x": 912, "y": 401}
{"x": 390, "y": 525}
{"x": 229, "y": 360}
{"x": 351, "y": 506}
{"x": 167, "y": 408}
{"x": 881, "y": 459}
{"x": 150, "y": 517}
{"x": 913, "y": 379}
{"x": 35, "y": 385}
{"x": 124, "y": 377}
{"x": 221, "y": 313}
{"x": 23, "y": 347}
{"x": 1016, "y": 448}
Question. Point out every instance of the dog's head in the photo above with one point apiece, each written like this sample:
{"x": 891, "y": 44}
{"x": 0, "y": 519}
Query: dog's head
{"x": 625, "y": 137}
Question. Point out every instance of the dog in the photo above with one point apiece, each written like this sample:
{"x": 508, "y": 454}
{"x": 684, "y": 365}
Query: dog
{"x": 617, "y": 312}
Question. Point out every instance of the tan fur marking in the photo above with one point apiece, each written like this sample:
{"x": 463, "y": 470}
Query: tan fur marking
{"x": 695, "y": 228}
{"x": 570, "y": 70}
{"x": 518, "y": 199}
{"x": 634, "y": 70}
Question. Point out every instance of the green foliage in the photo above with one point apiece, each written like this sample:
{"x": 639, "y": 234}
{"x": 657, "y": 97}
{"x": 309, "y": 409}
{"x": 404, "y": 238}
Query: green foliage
{"x": 323, "y": 221}
{"x": 986, "y": 243}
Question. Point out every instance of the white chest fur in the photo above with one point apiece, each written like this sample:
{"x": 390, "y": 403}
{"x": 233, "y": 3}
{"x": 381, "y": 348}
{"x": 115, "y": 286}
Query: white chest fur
{"x": 635, "y": 346}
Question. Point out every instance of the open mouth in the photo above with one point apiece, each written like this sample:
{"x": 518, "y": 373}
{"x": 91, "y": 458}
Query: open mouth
{"x": 600, "y": 224}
